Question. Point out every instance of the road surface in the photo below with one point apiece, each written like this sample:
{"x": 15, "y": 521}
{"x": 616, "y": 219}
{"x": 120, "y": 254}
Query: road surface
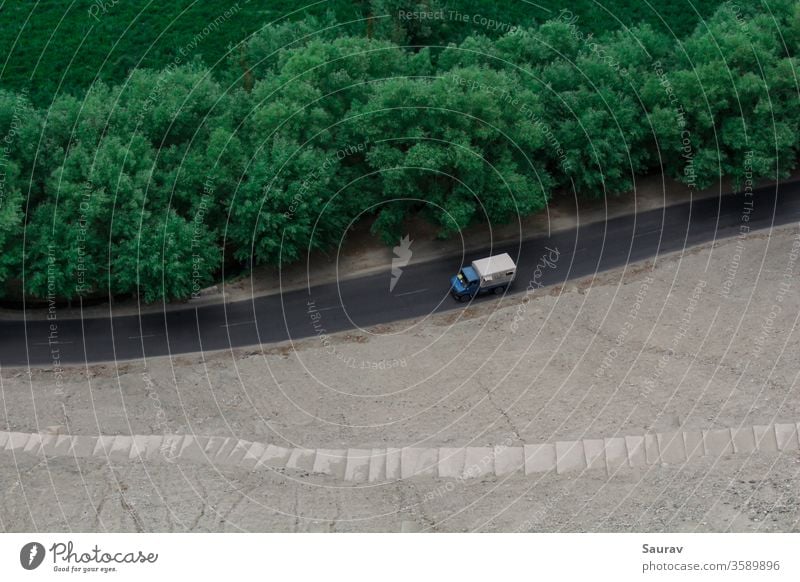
{"x": 366, "y": 301}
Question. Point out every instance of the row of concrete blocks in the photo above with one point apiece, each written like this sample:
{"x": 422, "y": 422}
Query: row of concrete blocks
{"x": 387, "y": 464}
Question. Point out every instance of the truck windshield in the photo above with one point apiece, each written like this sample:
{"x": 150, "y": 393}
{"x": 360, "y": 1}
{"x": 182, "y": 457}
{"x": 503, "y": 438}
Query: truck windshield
{"x": 462, "y": 279}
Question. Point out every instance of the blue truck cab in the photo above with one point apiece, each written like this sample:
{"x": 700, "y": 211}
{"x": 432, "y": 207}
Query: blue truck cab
{"x": 492, "y": 274}
{"x": 464, "y": 285}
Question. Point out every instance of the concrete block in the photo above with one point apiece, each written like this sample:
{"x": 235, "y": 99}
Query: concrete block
{"x": 693, "y": 444}
{"x": 594, "y": 451}
{"x": 377, "y": 466}
{"x": 570, "y": 456}
{"x": 786, "y": 437}
{"x": 225, "y": 450}
{"x": 64, "y": 445}
{"x": 120, "y": 448}
{"x": 48, "y": 442}
{"x": 144, "y": 447}
{"x": 158, "y": 448}
{"x": 34, "y": 444}
{"x": 651, "y": 451}
{"x": 171, "y": 446}
{"x": 409, "y": 458}
{"x": 393, "y": 464}
{"x": 539, "y": 458}
{"x": 253, "y": 456}
{"x": 213, "y": 446}
{"x": 744, "y": 441}
{"x": 102, "y": 446}
{"x": 330, "y": 462}
{"x": 416, "y": 461}
{"x": 451, "y": 462}
{"x": 637, "y": 457}
{"x": 428, "y": 462}
{"x": 138, "y": 447}
{"x": 58, "y": 447}
{"x": 478, "y": 462}
{"x": 508, "y": 460}
{"x": 275, "y": 457}
{"x": 616, "y": 454}
{"x": 238, "y": 452}
{"x": 83, "y": 446}
{"x": 193, "y": 449}
{"x": 16, "y": 441}
{"x": 718, "y": 442}
{"x": 766, "y": 440}
{"x": 673, "y": 450}
{"x": 357, "y": 467}
{"x": 301, "y": 460}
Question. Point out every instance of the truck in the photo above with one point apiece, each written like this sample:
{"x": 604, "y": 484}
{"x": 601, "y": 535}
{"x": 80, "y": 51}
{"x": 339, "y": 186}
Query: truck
{"x": 490, "y": 275}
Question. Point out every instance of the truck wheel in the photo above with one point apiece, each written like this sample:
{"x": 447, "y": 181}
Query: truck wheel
{"x": 499, "y": 290}
{"x": 463, "y": 298}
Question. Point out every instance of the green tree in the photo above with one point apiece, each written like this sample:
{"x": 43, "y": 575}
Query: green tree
{"x": 456, "y": 149}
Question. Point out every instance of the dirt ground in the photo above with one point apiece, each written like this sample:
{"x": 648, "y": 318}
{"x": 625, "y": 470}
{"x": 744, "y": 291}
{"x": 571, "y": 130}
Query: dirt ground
{"x": 703, "y": 339}
{"x": 757, "y": 494}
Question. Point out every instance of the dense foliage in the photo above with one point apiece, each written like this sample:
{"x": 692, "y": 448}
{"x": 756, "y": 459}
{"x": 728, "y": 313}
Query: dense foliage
{"x": 54, "y": 47}
{"x": 151, "y": 184}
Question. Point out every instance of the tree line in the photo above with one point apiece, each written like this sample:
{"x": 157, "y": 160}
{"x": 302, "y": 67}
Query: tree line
{"x": 155, "y": 185}
{"x": 54, "y": 47}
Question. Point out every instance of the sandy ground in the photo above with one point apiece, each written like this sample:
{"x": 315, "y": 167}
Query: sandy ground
{"x": 702, "y": 339}
{"x": 756, "y": 494}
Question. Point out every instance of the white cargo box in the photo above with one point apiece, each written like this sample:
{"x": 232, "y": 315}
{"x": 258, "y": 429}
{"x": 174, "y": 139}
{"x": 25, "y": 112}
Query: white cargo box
{"x": 495, "y": 270}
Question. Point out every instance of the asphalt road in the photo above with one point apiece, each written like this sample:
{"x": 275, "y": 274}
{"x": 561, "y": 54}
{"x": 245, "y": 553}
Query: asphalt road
{"x": 365, "y": 301}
